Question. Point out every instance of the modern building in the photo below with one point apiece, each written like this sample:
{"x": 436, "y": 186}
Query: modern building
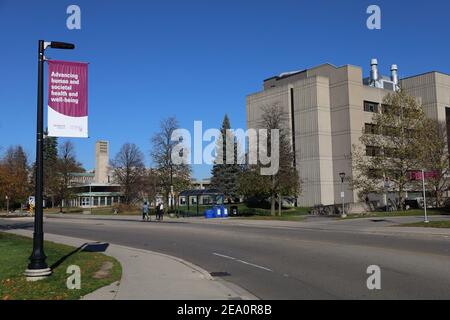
{"x": 95, "y": 189}
{"x": 328, "y": 108}
{"x": 200, "y": 184}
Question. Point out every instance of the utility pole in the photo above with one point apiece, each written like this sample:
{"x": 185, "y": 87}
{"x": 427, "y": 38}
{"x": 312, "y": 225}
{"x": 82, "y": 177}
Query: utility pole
{"x": 424, "y": 198}
{"x": 342, "y": 175}
{"x": 38, "y": 268}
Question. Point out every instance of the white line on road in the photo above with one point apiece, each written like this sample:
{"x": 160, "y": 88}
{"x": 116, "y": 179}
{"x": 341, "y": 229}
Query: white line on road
{"x": 223, "y": 256}
{"x": 242, "y": 261}
{"x": 255, "y": 265}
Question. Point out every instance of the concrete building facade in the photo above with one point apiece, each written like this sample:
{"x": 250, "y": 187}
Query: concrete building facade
{"x": 328, "y": 108}
{"x": 96, "y": 189}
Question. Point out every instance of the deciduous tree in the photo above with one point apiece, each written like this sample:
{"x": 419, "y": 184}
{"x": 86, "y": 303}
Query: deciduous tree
{"x": 128, "y": 169}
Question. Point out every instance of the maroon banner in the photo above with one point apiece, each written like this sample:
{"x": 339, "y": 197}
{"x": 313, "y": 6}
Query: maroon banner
{"x": 67, "y": 99}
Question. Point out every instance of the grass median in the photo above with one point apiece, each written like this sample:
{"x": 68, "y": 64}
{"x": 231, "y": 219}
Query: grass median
{"x": 406, "y": 213}
{"x": 430, "y": 224}
{"x": 97, "y": 270}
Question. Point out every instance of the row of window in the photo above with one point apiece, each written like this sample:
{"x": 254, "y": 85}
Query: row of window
{"x": 374, "y": 107}
{"x": 372, "y": 151}
{"x": 370, "y": 128}
{"x": 377, "y": 174}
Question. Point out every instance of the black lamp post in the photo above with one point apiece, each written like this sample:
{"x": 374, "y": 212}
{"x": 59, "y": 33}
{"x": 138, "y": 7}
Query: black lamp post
{"x": 342, "y": 175}
{"x": 38, "y": 268}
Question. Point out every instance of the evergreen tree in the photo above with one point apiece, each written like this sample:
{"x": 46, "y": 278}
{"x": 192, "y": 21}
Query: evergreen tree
{"x": 225, "y": 173}
{"x": 50, "y": 155}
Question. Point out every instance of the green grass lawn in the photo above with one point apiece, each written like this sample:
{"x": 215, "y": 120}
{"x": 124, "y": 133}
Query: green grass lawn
{"x": 412, "y": 212}
{"x": 245, "y": 212}
{"x": 14, "y": 253}
{"x": 287, "y": 214}
{"x": 95, "y": 211}
{"x": 431, "y": 224}
{"x": 283, "y": 217}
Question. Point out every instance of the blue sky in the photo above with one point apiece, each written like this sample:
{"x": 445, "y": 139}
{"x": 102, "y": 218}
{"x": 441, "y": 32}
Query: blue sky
{"x": 198, "y": 59}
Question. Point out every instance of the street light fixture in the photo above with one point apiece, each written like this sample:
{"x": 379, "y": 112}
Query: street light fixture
{"x": 342, "y": 175}
{"x": 7, "y": 204}
{"x": 38, "y": 268}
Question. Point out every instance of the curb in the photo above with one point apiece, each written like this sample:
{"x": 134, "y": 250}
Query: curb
{"x": 237, "y": 290}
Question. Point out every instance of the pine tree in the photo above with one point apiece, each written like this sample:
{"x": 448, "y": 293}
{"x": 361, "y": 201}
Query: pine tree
{"x": 50, "y": 155}
{"x": 225, "y": 174}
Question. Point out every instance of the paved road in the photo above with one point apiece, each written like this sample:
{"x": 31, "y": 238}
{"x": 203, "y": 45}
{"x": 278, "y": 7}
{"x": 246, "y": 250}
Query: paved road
{"x": 318, "y": 259}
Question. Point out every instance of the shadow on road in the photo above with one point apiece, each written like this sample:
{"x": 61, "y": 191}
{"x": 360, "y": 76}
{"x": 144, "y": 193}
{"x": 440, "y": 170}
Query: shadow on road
{"x": 86, "y": 247}
{"x": 25, "y": 225}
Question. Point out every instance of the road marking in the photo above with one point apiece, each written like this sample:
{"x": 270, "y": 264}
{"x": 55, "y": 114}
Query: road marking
{"x": 242, "y": 261}
{"x": 223, "y": 256}
{"x": 255, "y": 265}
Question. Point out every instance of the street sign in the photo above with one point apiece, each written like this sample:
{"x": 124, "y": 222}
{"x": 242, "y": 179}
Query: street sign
{"x": 31, "y": 201}
{"x": 342, "y": 194}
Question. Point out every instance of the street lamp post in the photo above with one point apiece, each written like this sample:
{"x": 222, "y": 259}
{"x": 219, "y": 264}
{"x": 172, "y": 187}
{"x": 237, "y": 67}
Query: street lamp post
{"x": 7, "y": 204}
{"x": 424, "y": 197}
{"x": 38, "y": 268}
{"x": 342, "y": 175}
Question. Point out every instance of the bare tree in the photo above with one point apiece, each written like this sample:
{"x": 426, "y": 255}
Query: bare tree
{"x": 128, "y": 169}
{"x": 65, "y": 166}
{"x": 286, "y": 180}
{"x": 172, "y": 177}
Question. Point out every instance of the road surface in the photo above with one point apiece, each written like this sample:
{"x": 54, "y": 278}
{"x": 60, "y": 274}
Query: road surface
{"x": 317, "y": 259}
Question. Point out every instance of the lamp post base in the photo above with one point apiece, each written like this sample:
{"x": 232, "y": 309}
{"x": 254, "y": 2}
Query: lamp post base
{"x": 37, "y": 274}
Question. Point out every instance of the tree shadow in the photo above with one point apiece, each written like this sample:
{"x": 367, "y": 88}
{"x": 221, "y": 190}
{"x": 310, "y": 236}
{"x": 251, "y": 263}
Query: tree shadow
{"x": 24, "y": 225}
{"x": 86, "y": 247}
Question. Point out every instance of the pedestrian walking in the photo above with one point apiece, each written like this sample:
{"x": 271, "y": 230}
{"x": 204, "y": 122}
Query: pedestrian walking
{"x": 158, "y": 211}
{"x": 161, "y": 211}
{"x": 145, "y": 215}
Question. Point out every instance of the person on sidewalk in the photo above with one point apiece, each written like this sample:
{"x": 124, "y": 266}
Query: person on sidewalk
{"x": 157, "y": 210}
{"x": 161, "y": 211}
{"x": 145, "y": 215}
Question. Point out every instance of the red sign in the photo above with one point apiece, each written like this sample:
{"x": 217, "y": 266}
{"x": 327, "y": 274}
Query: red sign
{"x": 417, "y": 175}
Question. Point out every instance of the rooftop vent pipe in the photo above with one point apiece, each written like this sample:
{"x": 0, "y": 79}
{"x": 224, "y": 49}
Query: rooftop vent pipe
{"x": 374, "y": 70}
{"x": 394, "y": 75}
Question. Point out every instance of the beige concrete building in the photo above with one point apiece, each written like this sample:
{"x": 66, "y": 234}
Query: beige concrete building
{"x": 96, "y": 189}
{"x": 328, "y": 108}
{"x": 102, "y": 162}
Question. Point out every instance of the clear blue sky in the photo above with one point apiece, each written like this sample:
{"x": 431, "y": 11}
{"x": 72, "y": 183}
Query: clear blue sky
{"x": 198, "y": 59}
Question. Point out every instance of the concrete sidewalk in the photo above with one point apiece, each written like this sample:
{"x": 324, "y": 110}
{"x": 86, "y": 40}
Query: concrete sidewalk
{"x": 148, "y": 275}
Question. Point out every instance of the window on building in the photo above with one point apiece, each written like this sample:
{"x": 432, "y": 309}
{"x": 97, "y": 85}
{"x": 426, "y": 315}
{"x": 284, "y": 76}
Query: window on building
{"x": 390, "y": 131}
{"x": 447, "y": 121}
{"x": 390, "y": 152}
{"x": 372, "y": 151}
{"x": 370, "y": 128}
{"x": 375, "y": 174}
{"x": 371, "y": 106}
